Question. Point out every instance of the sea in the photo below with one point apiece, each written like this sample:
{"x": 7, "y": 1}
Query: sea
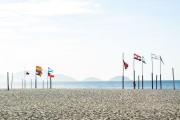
{"x": 166, "y": 84}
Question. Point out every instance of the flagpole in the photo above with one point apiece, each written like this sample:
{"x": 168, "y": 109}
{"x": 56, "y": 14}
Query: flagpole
{"x": 173, "y": 78}
{"x": 12, "y": 81}
{"x": 142, "y": 76}
{"x": 7, "y": 80}
{"x": 156, "y": 81}
{"x": 35, "y": 80}
{"x": 123, "y": 72}
{"x": 47, "y": 79}
{"x": 43, "y": 83}
{"x": 160, "y": 75}
{"x": 134, "y": 82}
{"x": 24, "y": 78}
{"x": 138, "y": 82}
{"x": 22, "y": 83}
{"x": 50, "y": 83}
{"x": 152, "y": 71}
{"x": 31, "y": 83}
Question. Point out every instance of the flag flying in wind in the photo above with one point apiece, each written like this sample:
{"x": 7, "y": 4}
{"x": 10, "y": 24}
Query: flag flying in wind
{"x": 27, "y": 73}
{"x": 137, "y": 57}
{"x": 153, "y": 56}
{"x": 50, "y": 70}
{"x": 50, "y": 75}
{"x": 39, "y": 70}
{"x": 161, "y": 59}
{"x": 143, "y": 60}
{"x": 125, "y": 65}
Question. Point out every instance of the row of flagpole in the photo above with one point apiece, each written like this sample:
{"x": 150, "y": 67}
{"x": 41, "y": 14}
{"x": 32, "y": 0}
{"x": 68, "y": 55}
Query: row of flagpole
{"x": 141, "y": 58}
{"x": 125, "y": 66}
{"x": 38, "y": 72}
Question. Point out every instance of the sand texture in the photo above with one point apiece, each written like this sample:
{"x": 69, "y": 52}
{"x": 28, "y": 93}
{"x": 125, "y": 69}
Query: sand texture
{"x": 88, "y": 104}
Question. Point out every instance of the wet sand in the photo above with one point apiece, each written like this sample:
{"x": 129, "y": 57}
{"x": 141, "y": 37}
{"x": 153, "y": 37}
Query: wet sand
{"x": 90, "y": 104}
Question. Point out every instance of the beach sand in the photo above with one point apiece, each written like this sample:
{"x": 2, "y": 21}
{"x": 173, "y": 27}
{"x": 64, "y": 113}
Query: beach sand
{"x": 90, "y": 104}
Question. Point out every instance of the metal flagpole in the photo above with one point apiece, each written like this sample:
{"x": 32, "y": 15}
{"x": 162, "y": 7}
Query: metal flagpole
{"x": 123, "y": 72}
{"x": 31, "y": 83}
{"x": 47, "y": 79}
{"x": 152, "y": 70}
{"x": 24, "y": 78}
{"x": 12, "y": 81}
{"x": 7, "y": 80}
{"x": 50, "y": 83}
{"x": 138, "y": 82}
{"x": 173, "y": 78}
{"x": 156, "y": 81}
{"x": 35, "y": 79}
{"x": 22, "y": 83}
{"x": 43, "y": 83}
{"x": 142, "y": 77}
{"x": 160, "y": 75}
{"x": 134, "y": 82}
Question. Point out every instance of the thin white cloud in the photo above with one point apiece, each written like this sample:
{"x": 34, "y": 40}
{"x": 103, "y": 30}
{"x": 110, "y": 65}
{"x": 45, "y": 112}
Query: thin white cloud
{"x": 49, "y": 7}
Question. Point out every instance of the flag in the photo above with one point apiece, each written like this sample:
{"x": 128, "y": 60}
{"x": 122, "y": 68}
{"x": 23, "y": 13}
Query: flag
{"x": 39, "y": 73}
{"x": 27, "y": 73}
{"x": 50, "y": 70}
{"x": 39, "y": 70}
{"x": 161, "y": 59}
{"x": 143, "y": 60}
{"x": 153, "y": 56}
{"x": 137, "y": 57}
{"x": 50, "y": 75}
{"x": 125, "y": 65}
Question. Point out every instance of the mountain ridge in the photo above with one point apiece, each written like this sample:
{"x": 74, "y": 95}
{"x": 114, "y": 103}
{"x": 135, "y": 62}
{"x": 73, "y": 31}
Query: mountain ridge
{"x": 58, "y": 77}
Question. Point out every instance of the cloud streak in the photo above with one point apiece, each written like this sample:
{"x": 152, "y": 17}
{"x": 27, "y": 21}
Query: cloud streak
{"x": 48, "y": 7}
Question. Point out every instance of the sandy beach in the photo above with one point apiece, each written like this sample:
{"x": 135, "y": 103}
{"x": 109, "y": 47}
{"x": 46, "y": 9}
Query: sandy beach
{"x": 89, "y": 104}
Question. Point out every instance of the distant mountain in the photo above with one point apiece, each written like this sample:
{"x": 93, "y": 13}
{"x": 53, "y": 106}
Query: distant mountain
{"x": 92, "y": 79}
{"x": 58, "y": 77}
{"x": 20, "y": 75}
{"x": 63, "y": 78}
{"x": 119, "y": 78}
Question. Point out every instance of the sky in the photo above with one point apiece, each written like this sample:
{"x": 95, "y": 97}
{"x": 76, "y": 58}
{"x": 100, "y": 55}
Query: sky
{"x": 86, "y": 38}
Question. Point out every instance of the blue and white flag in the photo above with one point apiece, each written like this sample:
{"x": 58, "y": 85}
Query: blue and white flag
{"x": 50, "y": 70}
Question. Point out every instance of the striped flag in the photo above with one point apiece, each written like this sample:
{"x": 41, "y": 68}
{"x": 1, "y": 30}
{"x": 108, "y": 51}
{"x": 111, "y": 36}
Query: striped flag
{"x": 49, "y": 72}
{"x": 39, "y": 71}
{"x": 154, "y": 56}
{"x": 137, "y": 57}
{"x": 50, "y": 75}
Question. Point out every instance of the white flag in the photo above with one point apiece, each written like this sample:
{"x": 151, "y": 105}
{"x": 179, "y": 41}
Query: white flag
{"x": 153, "y": 56}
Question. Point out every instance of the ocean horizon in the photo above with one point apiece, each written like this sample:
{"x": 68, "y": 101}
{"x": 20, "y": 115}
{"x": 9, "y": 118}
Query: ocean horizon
{"x": 166, "y": 84}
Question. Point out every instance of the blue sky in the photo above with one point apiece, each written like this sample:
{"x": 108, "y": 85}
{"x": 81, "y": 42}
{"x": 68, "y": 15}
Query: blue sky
{"x": 86, "y": 38}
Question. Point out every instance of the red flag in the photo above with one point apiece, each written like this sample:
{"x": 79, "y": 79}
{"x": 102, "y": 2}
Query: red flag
{"x": 125, "y": 65}
{"x": 50, "y": 75}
